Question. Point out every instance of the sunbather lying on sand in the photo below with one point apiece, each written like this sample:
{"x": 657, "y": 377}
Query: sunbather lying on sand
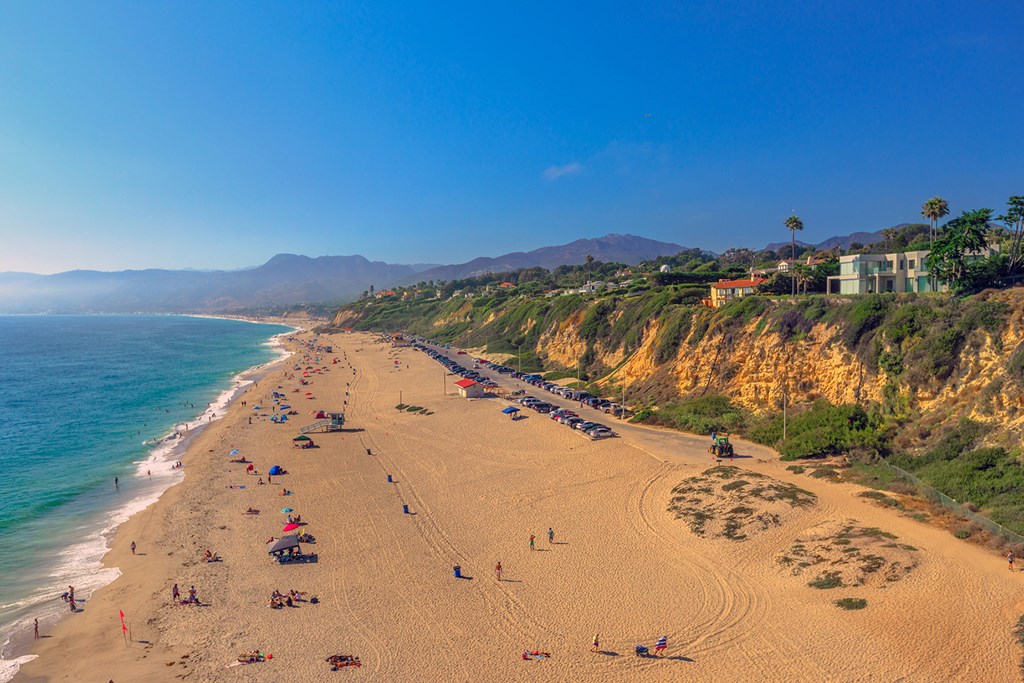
{"x": 210, "y": 556}
{"x": 535, "y": 654}
{"x": 251, "y": 511}
{"x": 250, "y": 657}
{"x": 340, "y": 661}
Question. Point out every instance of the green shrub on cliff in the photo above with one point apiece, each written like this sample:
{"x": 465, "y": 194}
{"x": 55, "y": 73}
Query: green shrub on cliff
{"x": 699, "y": 416}
{"x": 821, "y": 429}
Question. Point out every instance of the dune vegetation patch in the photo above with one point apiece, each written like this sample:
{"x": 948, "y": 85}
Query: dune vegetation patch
{"x": 727, "y": 502}
{"x": 839, "y": 554}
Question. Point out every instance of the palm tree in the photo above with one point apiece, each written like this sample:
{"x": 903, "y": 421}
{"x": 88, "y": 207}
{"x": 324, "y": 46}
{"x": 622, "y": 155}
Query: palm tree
{"x": 934, "y": 209}
{"x": 794, "y": 223}
{"x": 590, "y": 268}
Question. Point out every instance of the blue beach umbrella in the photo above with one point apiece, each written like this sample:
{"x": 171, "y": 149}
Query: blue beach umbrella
{"x": 510, "y": 410}
{"x": 234, "y": 452}
{"x": 287, "y": 510}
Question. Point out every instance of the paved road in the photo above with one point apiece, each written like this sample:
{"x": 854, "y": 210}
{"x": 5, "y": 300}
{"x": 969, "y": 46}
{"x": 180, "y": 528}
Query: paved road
{"x": 659, "y": 443}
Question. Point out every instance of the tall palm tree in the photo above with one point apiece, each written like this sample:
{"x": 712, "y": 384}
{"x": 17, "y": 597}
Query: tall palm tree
{"x": 794, "y": 223}
{"x": 934, "y": 209}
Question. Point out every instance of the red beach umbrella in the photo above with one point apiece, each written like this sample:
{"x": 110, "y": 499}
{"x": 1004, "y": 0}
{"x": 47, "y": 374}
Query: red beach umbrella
{"x": 290, "y": 527}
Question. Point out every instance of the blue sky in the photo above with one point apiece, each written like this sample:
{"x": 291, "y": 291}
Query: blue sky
{"x": 214, "y": 135}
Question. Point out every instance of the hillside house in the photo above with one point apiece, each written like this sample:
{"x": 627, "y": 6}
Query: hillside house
{"x": 896, "y": 272}
{"x": 785, "y": 265}
{"x": 727, "y": 290}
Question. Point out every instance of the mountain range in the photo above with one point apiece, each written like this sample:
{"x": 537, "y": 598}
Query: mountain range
{"x": 286, "y": 279}
{"x": 628, "y": 249}
{"x": 842, "y": 241}
{"x": 290, "y": 279}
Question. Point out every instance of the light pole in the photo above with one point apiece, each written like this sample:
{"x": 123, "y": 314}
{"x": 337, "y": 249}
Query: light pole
{"x": 519, "y": 356}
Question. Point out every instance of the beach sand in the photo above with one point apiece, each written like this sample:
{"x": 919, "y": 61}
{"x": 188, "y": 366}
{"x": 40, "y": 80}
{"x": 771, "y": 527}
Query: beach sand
{"x": 478, "y": 485}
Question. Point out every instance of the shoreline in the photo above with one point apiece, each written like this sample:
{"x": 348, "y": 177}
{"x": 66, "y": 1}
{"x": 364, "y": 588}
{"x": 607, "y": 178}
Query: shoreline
{"x": 86, "y": 565}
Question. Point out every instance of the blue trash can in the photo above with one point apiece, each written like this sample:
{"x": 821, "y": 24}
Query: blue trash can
{"x": 405, "y": 509}
{"x": 458, "y": 571}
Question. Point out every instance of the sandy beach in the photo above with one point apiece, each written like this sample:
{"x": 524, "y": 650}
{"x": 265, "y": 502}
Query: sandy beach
{"x": 478, "y": 485}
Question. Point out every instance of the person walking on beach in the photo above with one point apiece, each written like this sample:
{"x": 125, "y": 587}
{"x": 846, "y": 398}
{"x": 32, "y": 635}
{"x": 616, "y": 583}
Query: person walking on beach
{"x": 1010, "y": 558}
{"x": 35, "y": 629}
{"x": 661, "y": 646}
{"x": 71, "y": 602}
{"x": 132, "y": 546}
{"x": 497, "y": 570}
{"x": 175, "y": 593}
{"x": 192, "y": 595}
{"x": 551, "y": 535}
{"x": 531, "y": 541}
{"x": 596, "y": 644}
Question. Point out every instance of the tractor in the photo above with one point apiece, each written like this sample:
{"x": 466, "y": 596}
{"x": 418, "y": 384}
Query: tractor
{"x": 720, "y": 447}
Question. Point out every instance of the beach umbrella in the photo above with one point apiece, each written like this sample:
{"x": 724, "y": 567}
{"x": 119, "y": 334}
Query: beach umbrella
{"x": 302, "y": 437}
{"x": 287, "y": 510}
{"x": 282, "y": 544}
{"x": 257, "y": 407}
{"x": 510, "y": 410}
{"x": 234, "y": 452}
{"x": 309, "y": 393}
{"x": 292, "y": 526}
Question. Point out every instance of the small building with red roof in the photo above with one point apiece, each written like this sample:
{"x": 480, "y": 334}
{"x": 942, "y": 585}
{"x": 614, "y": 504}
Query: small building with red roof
{"x": 470, "y": 389}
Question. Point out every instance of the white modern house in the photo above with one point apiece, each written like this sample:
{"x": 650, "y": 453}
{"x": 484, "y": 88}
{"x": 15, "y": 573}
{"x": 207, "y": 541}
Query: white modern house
{"x": 870, "y": 273}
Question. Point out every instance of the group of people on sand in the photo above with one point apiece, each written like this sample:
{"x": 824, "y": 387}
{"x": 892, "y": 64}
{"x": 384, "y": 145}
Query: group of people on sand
{"x": 278, "y": 599}
{"x": 192, "y": 598}
{"x": 641, "y": 650}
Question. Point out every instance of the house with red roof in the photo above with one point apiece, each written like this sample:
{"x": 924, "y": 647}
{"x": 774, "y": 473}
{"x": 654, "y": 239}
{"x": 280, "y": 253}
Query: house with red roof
{"x": 727, "y": 290}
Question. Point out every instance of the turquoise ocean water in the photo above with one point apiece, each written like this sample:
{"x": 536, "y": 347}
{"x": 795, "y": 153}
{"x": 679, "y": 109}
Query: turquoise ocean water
{"x": 85, "y": 399}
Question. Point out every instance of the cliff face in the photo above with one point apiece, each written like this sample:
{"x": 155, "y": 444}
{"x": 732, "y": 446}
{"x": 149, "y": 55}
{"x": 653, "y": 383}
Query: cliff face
{"x": 931, "y": 359}
{"x": 756, "y": 370}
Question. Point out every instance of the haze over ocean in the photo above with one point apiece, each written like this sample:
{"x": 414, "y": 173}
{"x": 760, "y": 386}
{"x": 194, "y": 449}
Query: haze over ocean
{"x": 88, "y": 398}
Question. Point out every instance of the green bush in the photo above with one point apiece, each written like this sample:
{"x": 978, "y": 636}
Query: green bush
{"x": 699, "y": 416}
{"x": 820, "y": 430}
{"x": 850, "y": 603}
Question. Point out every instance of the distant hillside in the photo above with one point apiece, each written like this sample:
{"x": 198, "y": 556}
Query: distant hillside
{"x": 842, "y": 241}
{"x": 628, "y": 249}
{"x": 285, "y": 279}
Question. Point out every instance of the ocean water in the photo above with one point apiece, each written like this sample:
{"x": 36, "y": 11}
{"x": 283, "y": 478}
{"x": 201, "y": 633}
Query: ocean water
{"x": 86, "y": 399}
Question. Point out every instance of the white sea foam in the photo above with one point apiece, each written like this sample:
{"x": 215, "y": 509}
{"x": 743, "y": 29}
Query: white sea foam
{"x": 9, "y": 667}
{"x": 81, "y": 564}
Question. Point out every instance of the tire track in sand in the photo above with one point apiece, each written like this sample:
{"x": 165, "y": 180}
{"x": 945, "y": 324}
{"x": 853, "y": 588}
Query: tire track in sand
{"x": 745, "y": 606}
